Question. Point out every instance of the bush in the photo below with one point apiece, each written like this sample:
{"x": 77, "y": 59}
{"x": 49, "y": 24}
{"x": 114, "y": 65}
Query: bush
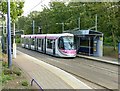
{"x": 5, "y": 78}
{"x": 4, "y": 64}
{"x": 18, "y": 40}
{"x": 7, "y": 71}
{"x": 18, "y": 73}
{"x": 24, "y": 83}
{"x": 108, "y": 41}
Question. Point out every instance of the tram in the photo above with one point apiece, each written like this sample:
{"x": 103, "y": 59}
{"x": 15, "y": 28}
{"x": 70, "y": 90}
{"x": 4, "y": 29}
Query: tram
{"x": 61, "y": 45}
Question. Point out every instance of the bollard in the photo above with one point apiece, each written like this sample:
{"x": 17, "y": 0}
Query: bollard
{"x": 14, "y": 50}
{"x": 118, "y": 51}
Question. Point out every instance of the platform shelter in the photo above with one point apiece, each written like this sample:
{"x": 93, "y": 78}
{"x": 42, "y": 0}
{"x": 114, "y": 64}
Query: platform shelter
{"x": 88, "y": 42}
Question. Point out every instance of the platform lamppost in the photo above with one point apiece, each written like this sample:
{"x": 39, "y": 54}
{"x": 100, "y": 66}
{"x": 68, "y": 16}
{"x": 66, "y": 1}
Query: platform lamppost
{"x": 96, "y": 22}
{"x": 79, "y": 23}
{"x": 33, "y": 26}
{"x": 9, "y": 36}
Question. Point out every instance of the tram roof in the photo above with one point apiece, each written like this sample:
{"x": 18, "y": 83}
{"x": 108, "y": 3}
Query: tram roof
{"x": 49, "y": 36}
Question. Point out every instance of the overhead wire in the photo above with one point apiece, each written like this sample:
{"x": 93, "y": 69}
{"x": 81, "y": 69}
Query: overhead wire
{"x": 34, "y": 7}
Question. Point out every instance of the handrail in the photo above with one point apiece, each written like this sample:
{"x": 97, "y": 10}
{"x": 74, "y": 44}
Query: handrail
{"x": 33, "y": 80}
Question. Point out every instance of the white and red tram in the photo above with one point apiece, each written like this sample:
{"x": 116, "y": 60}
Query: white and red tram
{"x": 61, "y": 45}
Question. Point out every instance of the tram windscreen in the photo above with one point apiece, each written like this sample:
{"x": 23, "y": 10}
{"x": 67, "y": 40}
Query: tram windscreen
{"x": 66, "y": 43}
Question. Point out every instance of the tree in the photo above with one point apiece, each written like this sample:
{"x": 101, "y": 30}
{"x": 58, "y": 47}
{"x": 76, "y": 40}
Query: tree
{"x": 59, "y": 12}
{"x": 15, "y": 11}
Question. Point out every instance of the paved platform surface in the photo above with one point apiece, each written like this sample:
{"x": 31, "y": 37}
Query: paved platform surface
{"x": 48, "y": 76}
{"x": 102, "y": 59}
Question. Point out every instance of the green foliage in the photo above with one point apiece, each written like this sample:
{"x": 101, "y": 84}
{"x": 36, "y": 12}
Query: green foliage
{"x": 5, "y": 78}
{"x": 15, "y": 9}
{"x": 109, "y": 51}
{"x": 8, "y": 74}
{"x": 24, "y": 83}
{"x": 50, "y": 19}
{"x": 108, "y": 41}
{"x": 4, "y": 64}
{"x": 17, "y": 72}
{"x": 7, "y": 71}
{"x": 18, "y": 40}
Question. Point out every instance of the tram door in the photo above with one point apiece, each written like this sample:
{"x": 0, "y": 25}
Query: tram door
{"x": 42, "y": 44}
{"x": 37, "y": 44}
{"x": 53, "y": 47}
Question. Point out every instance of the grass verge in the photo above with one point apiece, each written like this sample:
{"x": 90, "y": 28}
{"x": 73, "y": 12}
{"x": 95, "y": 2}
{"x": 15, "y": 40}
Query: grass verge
{"x": 13, "y": 78}
{"x": 109, "y": 51}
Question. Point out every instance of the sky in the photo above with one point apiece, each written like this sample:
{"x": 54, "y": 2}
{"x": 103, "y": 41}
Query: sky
{"x": 30, "y": 4}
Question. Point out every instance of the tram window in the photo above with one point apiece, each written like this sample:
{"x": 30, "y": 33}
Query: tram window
{"x": 42, "y": 42}
{"x": 32, "y": 41}
{"x": 22, "y": 40}
{"x": 60, "y": 43}
{"x": 27, "y": 41}
{"x": 68, "y": 42}
{"x": 49, "y": 43}
{"x": 39, "y": 42}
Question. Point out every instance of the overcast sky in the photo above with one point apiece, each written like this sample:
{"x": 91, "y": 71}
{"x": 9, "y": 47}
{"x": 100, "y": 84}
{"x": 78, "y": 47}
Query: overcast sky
{"x": 30, "y": 4}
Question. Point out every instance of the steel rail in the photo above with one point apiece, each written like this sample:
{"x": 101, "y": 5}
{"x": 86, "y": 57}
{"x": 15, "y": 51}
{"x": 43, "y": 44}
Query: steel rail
{"x": 82, "y": 77}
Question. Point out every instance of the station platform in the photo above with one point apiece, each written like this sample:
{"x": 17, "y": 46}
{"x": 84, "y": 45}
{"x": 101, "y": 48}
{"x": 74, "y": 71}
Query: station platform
{"x": 101, "y": 59}
{"x": 46, "y": 75}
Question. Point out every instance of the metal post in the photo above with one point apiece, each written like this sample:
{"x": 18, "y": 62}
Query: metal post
{"x": 79, "y": 23}
{"x": 118, "y": 51}
{"x": 96, "y": 22}
{"x": 62, "y": 27}
{"x": 89, "y": 46}
{"x": 33, "y": 24}
{"x": 9, "y": 36}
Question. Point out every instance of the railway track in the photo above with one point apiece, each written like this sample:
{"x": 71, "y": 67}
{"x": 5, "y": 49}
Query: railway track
{"x": 91, "y": 64}
{"x": 81, "y": 77}
{"x": 58, "y": 62}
